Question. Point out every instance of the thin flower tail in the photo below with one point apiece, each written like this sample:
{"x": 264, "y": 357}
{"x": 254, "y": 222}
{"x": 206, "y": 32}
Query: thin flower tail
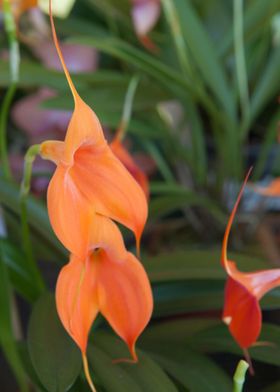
{"x": 65, "y": 69}
{"x": 87, "y": 373}
{"x": 224, "y": 259}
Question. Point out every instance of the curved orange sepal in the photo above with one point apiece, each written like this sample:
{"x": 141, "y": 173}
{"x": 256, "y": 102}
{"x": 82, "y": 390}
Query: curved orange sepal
{"x": 71, "y": 218}
{"x": 106, "y": 184}
{"x": 124, "y": 296}
{"x": 242, "y": 313}
{"x": 126, "y": 159}
{"x": 76, "y": 299}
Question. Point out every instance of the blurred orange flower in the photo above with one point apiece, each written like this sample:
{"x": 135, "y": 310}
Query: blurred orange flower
{"x": 20, "y": 6}
{"x": 273, "y": 189}
{"x": 243, "y": 291}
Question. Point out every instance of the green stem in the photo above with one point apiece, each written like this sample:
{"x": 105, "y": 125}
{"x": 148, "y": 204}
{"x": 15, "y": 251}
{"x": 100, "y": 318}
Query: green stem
{"x": 10, "y": 28}
{"x": 24, "y": 190}
{"x": 3, "y": 130}
{"x": 239, "y": 376}
{"x": 127, "y": 108}
{"x": 178, "y": 37}
{"x": 241, "y": 72}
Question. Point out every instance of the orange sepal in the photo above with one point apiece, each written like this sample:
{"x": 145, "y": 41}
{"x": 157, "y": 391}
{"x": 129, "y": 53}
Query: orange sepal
{"x": 76, "y": 299}
{"x": 124, "y": 296}
{"x": 70, "y": 217}
{"x": 242, "y": 313}
{"x": 126, "y": 159}
{"x": 107, "y": 185}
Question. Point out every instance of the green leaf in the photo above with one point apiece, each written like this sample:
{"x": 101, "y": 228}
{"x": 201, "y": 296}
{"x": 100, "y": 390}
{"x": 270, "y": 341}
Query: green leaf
{"x": 163, "y": 205}
{"x": 140, "y": 60}
{"x": 7, "y": 339}
{"x": 37, "y": 213}
{"x": 188, "y": 296}
{"x": 146, "y": 375}
{"x": 174, "y": 331}
{"x": 34, "y": 75}
{"x": 195, "y": 264}
{"x": 54, "y": 355}
{"x": 204, "y": 54}
{"x": 257, "y": 18}
{"x": 267, "y": 87}
{"x": 166, "y": 341}
{"x": 15, "y": 262}
{"x": 275, "y": 387}
{"x": 194, "y": 371}
{"x": 218, "y": 339}
{"x": 97, "y": 97}
{"x": 28, "y": 367}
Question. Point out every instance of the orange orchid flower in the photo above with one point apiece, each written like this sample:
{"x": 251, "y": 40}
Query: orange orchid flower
{"x": 243, "y": 291}
{"x": 89, "y": 188}
{"x": 111, "y": 281}
{"x": 127, "y": 160}
{"x": 89, "y": 179}
{"x": 273, "y": 189}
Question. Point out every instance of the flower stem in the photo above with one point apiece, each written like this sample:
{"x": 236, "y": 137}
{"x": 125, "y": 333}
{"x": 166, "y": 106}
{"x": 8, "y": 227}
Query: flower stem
{"x": 127, "y": 108}
{"x": 24, "y": 190}
{"x": 239, "y": 376}
{"x": 87, "y": 373}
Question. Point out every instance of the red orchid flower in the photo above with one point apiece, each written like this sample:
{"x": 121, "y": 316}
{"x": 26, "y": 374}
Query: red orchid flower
{"x": 243, "y": 291}
{"x": 90, "y": 180}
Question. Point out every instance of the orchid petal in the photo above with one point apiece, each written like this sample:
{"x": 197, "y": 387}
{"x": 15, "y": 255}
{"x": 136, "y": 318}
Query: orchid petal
{"x": 124, "y": 296}
{"x": 84, "y": 128}
{"x": 75, "y": 222}
{"x": 257, "y": 283}
{"x": 76, "y": 299}
{"x": 70, "y": 216}
{"x": 106, "y": 184}
{"x": 126, "y": 159}
{"x": 242, "y": 313}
